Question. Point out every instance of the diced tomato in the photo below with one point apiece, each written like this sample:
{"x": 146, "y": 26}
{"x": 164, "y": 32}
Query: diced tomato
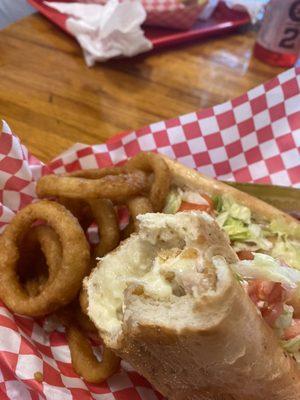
{"x": 259, "y": 290}
{"x": 272, "y": 294}
{"x": 245, "y": 255}
{"x": 252, "y": 291}
{"x": 271, "y": 313}
{"x": 185, "y": 206}
{"x": 277, "y": 294}
{"x": 293, "y": 330}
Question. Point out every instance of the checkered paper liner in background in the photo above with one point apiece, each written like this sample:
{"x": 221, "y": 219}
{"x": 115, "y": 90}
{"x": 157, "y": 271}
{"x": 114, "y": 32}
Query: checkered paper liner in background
{"x": 254, "y": 138}
{"x": 165, "y": 13}
{"x": 168, "y": 13}
{"x": 172, "y": 13}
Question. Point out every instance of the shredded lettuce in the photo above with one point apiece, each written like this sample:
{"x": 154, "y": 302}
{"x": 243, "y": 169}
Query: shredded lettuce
{"x": 235, "y": 219}
{"x": 217, "y": 202}
{"x": 284, "y": 320}
{"x": 236, "y": 210}
{"x": 284, "y": 248}
{"x": 288, "y": 251}
{"x": 173, "y": 202}
{"x": 243, "y": 231}
{"x": 266, "y": 268}
{"x": 236, "y": 229}
{"x": 257, "y": 235}
{"x": 280, "y": 227}
{"x": 292, "y": 346}
{"x": 245, "y": 234}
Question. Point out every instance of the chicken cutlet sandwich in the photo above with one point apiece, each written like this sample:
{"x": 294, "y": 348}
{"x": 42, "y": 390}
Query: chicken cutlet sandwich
{"x": 176, "y": 302}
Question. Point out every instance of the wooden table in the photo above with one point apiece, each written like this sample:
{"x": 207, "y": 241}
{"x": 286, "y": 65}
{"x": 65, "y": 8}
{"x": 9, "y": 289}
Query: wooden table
{"x": 51, "y": 99}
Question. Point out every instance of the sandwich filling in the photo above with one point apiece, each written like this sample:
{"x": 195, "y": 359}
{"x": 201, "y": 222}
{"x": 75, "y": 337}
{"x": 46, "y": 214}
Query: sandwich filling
{"x": 246, "y": 233}
{"x": 171, "y": 258}
{"x": 270, "y": 259}
{"x": 174, "y": 257}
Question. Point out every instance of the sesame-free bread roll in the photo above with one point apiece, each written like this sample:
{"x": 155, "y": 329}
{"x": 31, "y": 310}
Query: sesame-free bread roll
{"x": 167, "y": 302}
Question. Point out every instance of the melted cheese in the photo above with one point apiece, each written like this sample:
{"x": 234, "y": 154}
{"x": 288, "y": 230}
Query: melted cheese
{"x": 159, "y": 262}
{"x": 109, "y": 286}
{"x": 159, "y": 277}
{"x": 158, "y": 282}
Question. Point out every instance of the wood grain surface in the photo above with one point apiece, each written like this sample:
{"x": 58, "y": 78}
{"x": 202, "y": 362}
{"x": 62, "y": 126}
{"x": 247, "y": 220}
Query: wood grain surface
{"x": 52, "y": 100}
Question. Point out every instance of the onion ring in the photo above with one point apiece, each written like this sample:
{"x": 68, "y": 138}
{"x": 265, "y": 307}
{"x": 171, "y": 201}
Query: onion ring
{"x": 73, "y": 267}
{"x": 84, "y": 322}
{"x": 151, "y": 162}
{"x": 85, "y": 362}
{"x": 83, "y": 359}
{"x": 32, "y": 268}
{"x": 136, "y": 206}
{"x": 117, "y": 188}
{"x": 139, "y": 205}
{"x": 80, "y": 209}
{"x": 75, "y": 312}
{"x": 102, "y": 212}
{"x": 33, "y": 286}
{"x": 83, "y": 300}
{"x": 39, "y": 272}
{"x": 108, "y": 227}
{"x": 128, "y": 230}
{"x": 97, "y": 173}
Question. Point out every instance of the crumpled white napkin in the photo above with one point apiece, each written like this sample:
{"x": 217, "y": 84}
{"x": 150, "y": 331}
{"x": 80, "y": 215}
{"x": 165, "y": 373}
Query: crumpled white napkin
{"x": 106, "y": 31}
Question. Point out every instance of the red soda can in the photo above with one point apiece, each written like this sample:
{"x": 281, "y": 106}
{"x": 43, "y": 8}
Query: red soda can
{"x": 278, "y": 41}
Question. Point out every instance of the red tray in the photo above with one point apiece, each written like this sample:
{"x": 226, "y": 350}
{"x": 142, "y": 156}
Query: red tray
{"x": 222, "y": 20}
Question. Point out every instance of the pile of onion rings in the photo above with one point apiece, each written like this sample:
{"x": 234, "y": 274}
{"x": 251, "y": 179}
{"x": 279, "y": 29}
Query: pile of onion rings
{"x": 45, "y": 252}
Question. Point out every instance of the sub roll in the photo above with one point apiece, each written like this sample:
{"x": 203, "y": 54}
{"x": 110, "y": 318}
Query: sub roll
{"x": 175, "y": 302}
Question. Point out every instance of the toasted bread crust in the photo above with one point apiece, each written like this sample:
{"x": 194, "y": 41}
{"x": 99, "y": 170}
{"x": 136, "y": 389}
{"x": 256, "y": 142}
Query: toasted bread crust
{"x": 230, "y": 355}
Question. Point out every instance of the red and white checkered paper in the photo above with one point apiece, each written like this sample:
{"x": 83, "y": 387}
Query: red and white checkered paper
{"x": 254, "y": 138}
{"x": 172, "y": 13}
{"x": 165, "y": 13}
